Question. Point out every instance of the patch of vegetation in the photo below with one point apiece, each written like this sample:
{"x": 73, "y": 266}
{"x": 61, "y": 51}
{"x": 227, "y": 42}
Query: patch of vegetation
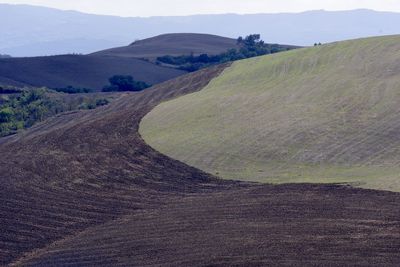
{"x": 10, "y": 90}
{"x": 4, "y": 56}
{"x": 119, "y": 83}
{"x": 93, "y": 103}
{"x": 251, "y": 46}
{"x": 73, "y": 90}
{"x": 22, "y": 110}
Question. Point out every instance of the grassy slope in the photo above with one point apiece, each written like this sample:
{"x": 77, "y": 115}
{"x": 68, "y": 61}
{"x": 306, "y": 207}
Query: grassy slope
{"x": 322, "y": 114}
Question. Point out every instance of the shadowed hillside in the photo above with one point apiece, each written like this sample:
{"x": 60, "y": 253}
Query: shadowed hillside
{"x": 90, "y": 72}
{"x": 321, "y": 114}
{"x": 93, "y": 71}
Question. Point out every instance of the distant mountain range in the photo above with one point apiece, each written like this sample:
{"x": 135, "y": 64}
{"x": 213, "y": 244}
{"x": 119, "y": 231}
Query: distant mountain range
{"x": 35, "y": 31}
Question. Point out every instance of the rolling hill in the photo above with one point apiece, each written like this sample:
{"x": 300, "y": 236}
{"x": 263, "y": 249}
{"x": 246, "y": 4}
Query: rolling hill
{"x": 93, "y": 71}
{"x": 84, "y": 189}
{"x": 327, "y": 114}
{"x": 174, "y": 45}
{"x": 82, "y": 71}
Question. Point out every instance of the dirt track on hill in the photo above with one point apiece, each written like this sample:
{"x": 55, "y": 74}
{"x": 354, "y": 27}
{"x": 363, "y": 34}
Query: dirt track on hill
{"x": 84, "y": 189}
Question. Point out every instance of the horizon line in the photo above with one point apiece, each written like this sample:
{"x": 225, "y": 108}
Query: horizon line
{"x": 205, "y": 14}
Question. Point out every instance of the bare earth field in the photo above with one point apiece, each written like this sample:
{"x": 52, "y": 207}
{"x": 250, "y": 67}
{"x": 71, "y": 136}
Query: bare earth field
{"x": 174, "y": 45}
{"x": 93, "y": 71}
{"x": 84, "y": 189}
{"x": 82, "y": 71}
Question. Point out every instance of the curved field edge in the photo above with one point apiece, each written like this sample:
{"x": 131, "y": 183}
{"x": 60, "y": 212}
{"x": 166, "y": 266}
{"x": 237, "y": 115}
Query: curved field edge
{"x": 78, "y": 170}
{"x": 85, "y": 189}
{"x": 325, "y": 114}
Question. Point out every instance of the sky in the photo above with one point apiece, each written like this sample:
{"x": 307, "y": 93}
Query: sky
{"x": 146, "y": 8}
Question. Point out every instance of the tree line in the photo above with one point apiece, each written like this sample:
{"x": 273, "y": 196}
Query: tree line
{"x": 250, "y": 46}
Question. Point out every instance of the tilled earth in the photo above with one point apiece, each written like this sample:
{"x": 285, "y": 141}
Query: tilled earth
{"x": 84, "y": 189}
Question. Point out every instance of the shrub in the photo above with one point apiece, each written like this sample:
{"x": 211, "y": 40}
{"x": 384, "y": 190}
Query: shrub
{"x": 124, "y": 83}
{"x": 73, "y": 90}
{"x": 6, "y": 114}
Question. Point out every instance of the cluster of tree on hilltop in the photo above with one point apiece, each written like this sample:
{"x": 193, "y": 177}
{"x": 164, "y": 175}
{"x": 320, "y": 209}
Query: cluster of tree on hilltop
{"x": 250, "y": 46}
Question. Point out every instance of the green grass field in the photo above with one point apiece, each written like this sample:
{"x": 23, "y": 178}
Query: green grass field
{"x": 327, "y": 114}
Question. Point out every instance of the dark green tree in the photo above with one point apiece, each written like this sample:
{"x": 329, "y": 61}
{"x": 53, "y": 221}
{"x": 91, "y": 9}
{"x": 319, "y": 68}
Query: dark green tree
{"x": 249, "y": 46}
{"x": 124, "y": 83}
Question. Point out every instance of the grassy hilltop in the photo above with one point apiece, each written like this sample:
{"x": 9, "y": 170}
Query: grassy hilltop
{"x": 325, "y": 114}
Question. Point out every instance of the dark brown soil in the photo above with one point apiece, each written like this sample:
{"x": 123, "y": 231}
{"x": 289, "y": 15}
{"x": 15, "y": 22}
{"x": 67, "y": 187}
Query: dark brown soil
{"x": 93, "y": 71}
{"x": 83, "y": 189}
{"x": 308, "y": 225}
{"x": 90, "y": 72}
{"x": 175, "y": 44}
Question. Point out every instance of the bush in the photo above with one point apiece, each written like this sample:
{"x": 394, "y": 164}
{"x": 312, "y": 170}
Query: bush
{"x": 124, "y": 83}
{"x": 101, "y": 102}
{"x": 6, "y": 114}
{"x": 73, "y": 90}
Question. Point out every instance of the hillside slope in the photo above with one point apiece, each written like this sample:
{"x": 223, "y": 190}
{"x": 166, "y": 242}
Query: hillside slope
{"x": 321, "y": 114}
{"x": 82, "y": 169}
{"x": 90, "y": 72}
{"x": 175, "y": 44}
{"x": 93, "y": 71}
{"x": 84, "y": 189}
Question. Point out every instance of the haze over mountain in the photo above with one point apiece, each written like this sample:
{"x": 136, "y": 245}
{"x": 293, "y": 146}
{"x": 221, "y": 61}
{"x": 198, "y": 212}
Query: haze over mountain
{"x": 34, "y": 31}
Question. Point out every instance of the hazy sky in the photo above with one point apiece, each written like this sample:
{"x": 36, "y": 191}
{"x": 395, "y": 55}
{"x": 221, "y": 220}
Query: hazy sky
{"x": 146, "y": 8}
